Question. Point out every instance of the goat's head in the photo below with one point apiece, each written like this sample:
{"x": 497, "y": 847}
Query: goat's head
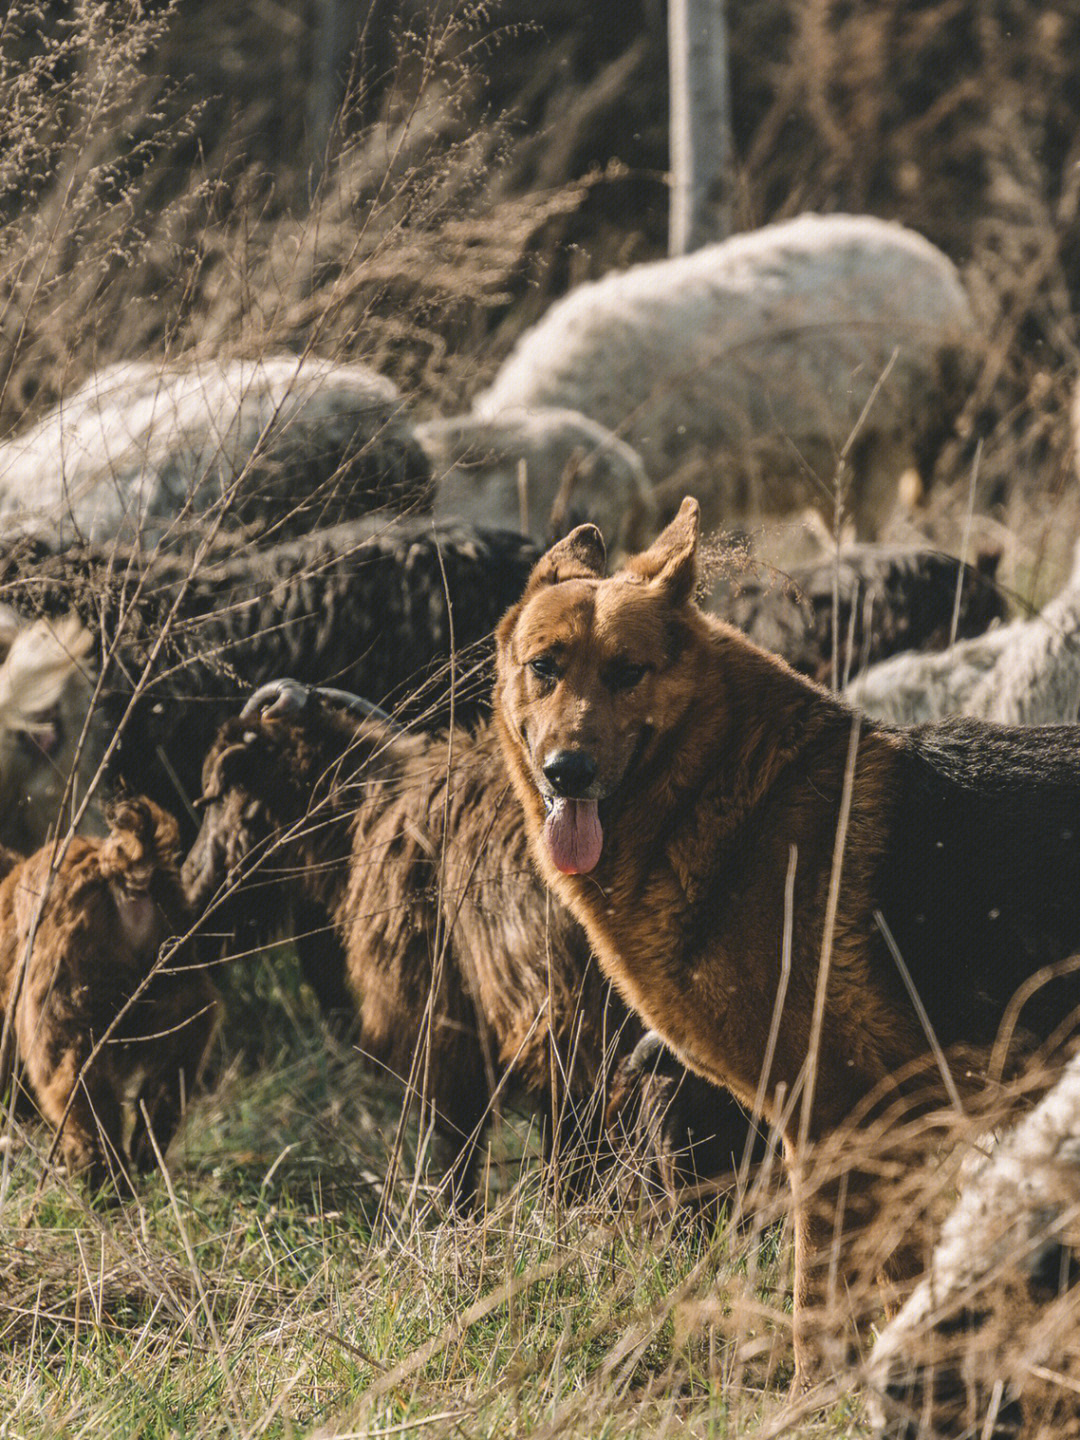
{"x": 277, "y": 798}
{"x": 252, "y": 795}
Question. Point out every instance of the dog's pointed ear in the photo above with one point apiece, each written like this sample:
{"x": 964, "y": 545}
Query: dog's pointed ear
{"x": 578, "y": 556}
{"x": 670, "y": 563}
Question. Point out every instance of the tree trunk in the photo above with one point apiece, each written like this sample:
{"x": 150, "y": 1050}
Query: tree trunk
{"x": 334, "y": 25}
{"x": 701, "y": 140}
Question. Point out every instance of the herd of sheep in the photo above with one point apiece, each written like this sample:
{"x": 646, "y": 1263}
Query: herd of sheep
{"x": 174, "y": 536}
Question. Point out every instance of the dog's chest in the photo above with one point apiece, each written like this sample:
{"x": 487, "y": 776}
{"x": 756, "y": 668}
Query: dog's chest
{"x": 695, "y": 951}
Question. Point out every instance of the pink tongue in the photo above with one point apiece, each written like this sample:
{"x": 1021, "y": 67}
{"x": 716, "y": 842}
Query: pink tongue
{"x": 574, "y": 836}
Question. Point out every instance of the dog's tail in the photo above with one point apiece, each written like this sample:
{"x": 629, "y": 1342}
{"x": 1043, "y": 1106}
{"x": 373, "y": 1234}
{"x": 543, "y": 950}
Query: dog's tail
{"x": 42, "y": 659}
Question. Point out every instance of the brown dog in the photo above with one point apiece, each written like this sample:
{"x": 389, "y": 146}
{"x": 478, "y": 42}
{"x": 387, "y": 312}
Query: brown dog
{"x": 78, "y": 948}
{"x": 686, "y": 791}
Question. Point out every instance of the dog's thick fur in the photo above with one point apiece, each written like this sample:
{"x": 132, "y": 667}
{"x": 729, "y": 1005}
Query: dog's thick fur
{"x": 400, "y": 864}
{"x": 681, "y": 772}
{"x": 80, "y": 932}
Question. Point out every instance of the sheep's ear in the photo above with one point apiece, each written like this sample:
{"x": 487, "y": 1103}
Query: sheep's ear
{"x": 579, "y": 556}
{"x": 670, "y": 563}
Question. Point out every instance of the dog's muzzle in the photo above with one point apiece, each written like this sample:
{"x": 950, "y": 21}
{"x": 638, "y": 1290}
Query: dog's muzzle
{"x": 570, "y": 773}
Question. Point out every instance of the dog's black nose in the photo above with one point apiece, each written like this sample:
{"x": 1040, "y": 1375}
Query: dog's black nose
{"x": 570, "y": 772}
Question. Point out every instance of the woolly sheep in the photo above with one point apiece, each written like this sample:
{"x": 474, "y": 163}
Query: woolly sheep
{"x": 397, "y": 610}
{"x": 1026, "y": 673}
{"x": 574, "y": 471}
{"x": 143, "y": 449}
{"x": 986, "y": 1345}
{"x": 755, "y": 359}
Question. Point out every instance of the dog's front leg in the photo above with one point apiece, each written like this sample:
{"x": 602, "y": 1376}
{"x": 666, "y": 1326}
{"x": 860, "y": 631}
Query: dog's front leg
{"x": 845, "y": 1268}
{"x": 831, "y": 1208}
{"x": 810, "y": 1298}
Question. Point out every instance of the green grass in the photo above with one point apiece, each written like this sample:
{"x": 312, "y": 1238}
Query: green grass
{"x": 266, "y": 1297}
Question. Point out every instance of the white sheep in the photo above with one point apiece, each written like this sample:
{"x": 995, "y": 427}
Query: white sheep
{"x": 988, "y": 1339}
{"x": 754, "y": 360}
{"x": 1026, "y": 673}
{"x": 46, "y": 686}
{"x": 542, "y": 472}
{"x": 143, "y": 449}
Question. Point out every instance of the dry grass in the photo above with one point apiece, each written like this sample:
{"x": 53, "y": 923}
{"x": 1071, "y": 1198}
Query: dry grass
{"x": 261, "y": 1299}
{"x": 256, "y": 1293}
{"x": 269, "y": 1286}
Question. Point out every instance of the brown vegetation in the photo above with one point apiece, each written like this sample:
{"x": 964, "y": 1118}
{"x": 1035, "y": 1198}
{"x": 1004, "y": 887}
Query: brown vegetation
{"x": 159, "y": 196}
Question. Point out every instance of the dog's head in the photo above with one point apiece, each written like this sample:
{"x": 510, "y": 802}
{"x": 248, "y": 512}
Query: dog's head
{"x": 593, "y": 678}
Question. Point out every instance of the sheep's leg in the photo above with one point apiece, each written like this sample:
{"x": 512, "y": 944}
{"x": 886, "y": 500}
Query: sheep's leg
{"x": 322, "y": 963}
{"x": 159, "y": 1105}
{"x": 459, "y": 1125}
{"x": 90, "y": 1143}
{"x": 462, "y": 1138}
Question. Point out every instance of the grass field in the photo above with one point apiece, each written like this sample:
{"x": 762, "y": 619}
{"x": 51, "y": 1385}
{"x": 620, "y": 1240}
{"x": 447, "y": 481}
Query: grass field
{"x": 264, "y": 1285}
{"x": 165, "y": 196}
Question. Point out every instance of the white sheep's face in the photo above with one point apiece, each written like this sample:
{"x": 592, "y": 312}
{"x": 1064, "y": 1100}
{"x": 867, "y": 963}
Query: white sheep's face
{"x": 47, "y": 679}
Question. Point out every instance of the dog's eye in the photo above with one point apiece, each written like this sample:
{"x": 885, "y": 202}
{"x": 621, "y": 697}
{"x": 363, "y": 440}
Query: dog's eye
{"x": 625, "y": 674}
{"x": 545, "y": 667}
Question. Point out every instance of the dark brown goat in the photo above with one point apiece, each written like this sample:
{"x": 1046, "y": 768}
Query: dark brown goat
{"x": 395, "y": 611}
{"x": 410, "y": 848}
{"x": 108, "y": 1040}
{"x": 877, "y": 599}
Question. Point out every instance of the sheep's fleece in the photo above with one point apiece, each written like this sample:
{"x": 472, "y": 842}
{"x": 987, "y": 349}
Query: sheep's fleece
{"x": 763, "y": 352}
{"x": 144, "y": 448}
